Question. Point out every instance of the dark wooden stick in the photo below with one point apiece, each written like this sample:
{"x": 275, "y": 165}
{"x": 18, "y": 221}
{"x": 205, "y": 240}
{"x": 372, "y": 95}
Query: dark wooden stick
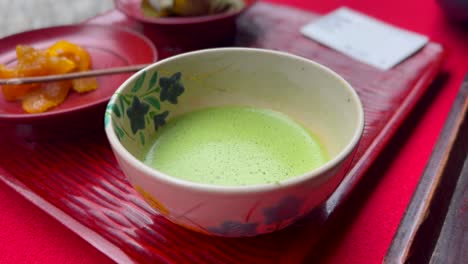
{"x": 433, "y": 228}
{"x": 74, "y": 75}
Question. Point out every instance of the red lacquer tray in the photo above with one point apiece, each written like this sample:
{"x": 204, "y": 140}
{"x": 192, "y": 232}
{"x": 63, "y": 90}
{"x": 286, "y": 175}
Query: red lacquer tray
{"x": 78, "y": 182}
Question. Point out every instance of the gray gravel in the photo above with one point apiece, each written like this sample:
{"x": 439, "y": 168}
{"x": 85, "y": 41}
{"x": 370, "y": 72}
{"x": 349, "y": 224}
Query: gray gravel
{"x": 21, "y": 15}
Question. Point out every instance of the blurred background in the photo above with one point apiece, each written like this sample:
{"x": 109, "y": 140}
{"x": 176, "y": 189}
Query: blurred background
{"x": 21, "y": 15}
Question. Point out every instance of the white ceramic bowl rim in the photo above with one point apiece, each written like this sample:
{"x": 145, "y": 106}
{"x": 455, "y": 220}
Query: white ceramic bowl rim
{"x": 211, "y": 188}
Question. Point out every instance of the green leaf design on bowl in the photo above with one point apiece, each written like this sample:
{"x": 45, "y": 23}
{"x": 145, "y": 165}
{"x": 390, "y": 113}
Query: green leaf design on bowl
{"x": 152, "y": 100}
{"x": 133, "y": 111}
{"x": 154, "y": 80}
{"x": 139, "y": 82}
{"x": 116, "y": 110}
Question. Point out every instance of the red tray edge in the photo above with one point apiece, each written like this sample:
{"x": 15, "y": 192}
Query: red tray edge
{"x": 389, "y": 130}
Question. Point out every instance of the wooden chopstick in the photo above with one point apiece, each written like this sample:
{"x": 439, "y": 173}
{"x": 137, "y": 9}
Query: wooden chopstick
{"x": 73, "y": 75}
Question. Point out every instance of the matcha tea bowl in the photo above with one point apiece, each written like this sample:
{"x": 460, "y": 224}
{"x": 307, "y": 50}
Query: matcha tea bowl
{"x": 234, "y": 141}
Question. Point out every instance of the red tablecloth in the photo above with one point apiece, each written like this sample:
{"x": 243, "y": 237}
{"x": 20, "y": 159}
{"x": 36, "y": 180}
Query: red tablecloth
{"x": 28, "y": 235}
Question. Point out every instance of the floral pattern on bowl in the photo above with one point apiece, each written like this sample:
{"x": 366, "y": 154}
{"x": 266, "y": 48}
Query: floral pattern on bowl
{"x": 134, "y": 111}
{"x": 235, "y": 228}
{"x": 276, "y": 216}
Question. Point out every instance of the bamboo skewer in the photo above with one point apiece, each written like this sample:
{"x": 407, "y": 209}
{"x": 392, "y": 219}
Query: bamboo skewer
{"x": 73, "y": 75}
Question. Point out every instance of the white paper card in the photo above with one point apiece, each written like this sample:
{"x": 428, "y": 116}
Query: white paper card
{"x": 364, "y": 38}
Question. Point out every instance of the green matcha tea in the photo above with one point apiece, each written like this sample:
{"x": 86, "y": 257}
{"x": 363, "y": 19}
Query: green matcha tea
{"x": 234, "y": 146}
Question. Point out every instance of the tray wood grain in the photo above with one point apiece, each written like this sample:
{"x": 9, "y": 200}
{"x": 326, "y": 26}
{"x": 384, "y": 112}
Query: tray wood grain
{"x": 434, "y": 228}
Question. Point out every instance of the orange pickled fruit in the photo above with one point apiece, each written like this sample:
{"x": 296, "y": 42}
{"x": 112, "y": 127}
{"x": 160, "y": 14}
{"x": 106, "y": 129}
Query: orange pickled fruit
{"x": 62, "y": 57}
{"x": 32, "y": 62}
{"x": 47, "y": 96}
{"x": 14, "y": 92}
{"x": 25, "y": 53}
{"x": 85, "y": 84}
{"x": 72, "y": 52}
{"x": 6, "y": 72}
{"x": 59, "y": 65}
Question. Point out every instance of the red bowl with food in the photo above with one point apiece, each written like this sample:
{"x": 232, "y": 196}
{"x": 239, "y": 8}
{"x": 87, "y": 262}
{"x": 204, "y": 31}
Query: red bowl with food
{"x": 197, "y": 30}
{"x": 79, "y": 113}
{"x": 145, "y": 11}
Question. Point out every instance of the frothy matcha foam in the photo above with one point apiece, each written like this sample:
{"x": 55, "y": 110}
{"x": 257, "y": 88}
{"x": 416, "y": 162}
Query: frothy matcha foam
{"x": 234, "y": 146}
